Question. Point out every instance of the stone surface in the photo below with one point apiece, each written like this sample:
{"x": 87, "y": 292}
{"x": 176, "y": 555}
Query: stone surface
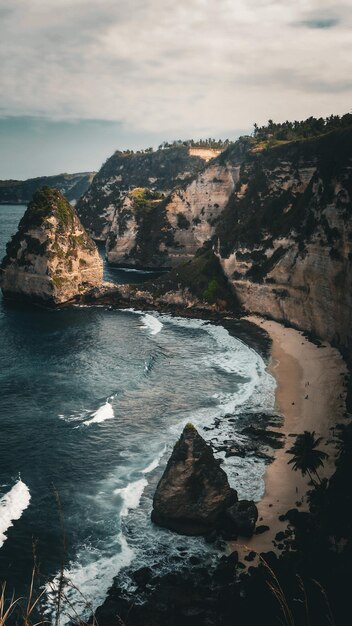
{"x": 243, "y": 516}
{"x": 161, "y": 170}
{"x": 51, "y": 259}
{"x": 170, "y": 233}
{"x": 285, "y": 239}
{"x": 193, "y": 491}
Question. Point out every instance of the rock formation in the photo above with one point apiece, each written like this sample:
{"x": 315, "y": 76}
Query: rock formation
{"x": 285, "y": 237}
{"x": 159, "y": 171}
{"x": 242, "y": 517}
{"x": 278, "y": 219}
{"x": 193, "y": 491}
{"x": 51, "y": 258}
{"x": 170, "y": 232}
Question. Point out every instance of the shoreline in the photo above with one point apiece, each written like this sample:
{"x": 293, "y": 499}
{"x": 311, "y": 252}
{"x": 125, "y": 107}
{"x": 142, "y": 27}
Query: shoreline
{"x": 310, "y": 395}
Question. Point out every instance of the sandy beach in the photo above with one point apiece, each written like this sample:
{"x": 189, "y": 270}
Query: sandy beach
{"x": 310, "y": 395}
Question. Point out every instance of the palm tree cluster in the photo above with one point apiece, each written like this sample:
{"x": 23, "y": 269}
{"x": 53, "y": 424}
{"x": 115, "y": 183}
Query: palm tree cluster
{"x": 306, "y": 457}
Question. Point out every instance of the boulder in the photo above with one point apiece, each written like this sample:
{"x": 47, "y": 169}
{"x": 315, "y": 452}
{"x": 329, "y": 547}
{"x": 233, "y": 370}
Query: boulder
{"x": 242, "y": 516}
{"x": 193, "y": 491}
{"x": 50, "y": 259}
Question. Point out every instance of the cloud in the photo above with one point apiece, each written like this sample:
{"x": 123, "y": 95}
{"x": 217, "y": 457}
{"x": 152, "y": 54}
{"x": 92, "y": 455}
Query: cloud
{"x": 188, "y": 67}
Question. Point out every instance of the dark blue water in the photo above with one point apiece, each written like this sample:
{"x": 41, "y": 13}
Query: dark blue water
{"x": 92, "y": 401}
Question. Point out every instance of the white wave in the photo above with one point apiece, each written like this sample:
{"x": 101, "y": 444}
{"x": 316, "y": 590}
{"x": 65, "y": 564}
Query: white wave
{"x": 105, "y": 412}
{"x": 88, "y": 580}
{"x": 154, "y": 464}
{"x": 12, "y": 505}
{"x": 152, "y": 324}
{"x": 131, "y": 495}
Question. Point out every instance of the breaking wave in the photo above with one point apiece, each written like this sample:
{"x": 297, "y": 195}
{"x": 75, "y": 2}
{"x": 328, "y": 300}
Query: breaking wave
{"x": 12, "y": 505}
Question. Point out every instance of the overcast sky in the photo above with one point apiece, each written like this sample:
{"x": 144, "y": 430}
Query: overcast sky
{"x": 81, "y": 78}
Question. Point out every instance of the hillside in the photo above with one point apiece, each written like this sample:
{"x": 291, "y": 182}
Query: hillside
{"x": 72, "y": 186}
{"x": 159, "y": 171}
{"x": 277, "y": 217}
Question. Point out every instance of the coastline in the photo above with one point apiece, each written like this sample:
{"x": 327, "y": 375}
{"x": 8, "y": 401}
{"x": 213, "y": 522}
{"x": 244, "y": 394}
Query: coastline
{"x": 310, "y": 395}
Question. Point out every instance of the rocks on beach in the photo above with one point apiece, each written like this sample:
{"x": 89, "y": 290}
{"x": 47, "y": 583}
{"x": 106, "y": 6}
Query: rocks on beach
{"x": 194, "y": 497}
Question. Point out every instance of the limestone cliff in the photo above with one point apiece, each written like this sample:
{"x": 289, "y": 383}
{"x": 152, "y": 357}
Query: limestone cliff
{"x": 160, "y": 171}
{"x": 51, "y": 258}
{"x": 170, "y": 232}
{"x": 279, "y": 220}
{"x": 285, "y": 237}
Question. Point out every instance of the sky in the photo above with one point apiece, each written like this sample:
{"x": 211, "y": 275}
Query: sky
{"x": 82, "y": 78}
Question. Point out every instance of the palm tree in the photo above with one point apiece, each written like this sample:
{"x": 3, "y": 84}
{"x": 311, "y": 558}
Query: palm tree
{"x": 306, "y": 457}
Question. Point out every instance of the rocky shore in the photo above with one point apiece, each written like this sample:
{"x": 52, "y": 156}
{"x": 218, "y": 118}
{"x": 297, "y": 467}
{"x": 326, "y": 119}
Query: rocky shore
{"x": 211, "y": 592}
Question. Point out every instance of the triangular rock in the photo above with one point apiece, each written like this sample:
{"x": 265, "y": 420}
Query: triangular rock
{"x": 51, "y": 258}
{"x": 193, "y": 491}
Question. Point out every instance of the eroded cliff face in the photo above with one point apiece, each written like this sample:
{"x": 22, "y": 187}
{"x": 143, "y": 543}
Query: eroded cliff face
{"x": 279, "y": 221}
{"x": 165, "y": 233}
{"x": 285, "y": 238}
{"x": 160, "y": 171}
{"x": 51, "y": 258}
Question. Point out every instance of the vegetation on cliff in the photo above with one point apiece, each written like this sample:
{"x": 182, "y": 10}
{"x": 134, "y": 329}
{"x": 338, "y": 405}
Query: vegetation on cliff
{"x": 202, "y": 277}
{"x": 273, "y": 132}
{"x": 159, "y": 171}
{"x": 272, "y": 207}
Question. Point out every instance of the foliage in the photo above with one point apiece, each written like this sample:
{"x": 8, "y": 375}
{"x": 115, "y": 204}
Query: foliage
{"x": 47, "y": 202}
{"x": 210, "y": 143}
{"x": 210, "y": 293}
{"x": 273, "y": 133}
{"x": 145, "y": 199}
{"x": 305, "y": 456}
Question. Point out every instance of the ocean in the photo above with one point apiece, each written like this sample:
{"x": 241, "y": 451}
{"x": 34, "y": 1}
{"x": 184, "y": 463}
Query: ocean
{"x": 92, "y": 402}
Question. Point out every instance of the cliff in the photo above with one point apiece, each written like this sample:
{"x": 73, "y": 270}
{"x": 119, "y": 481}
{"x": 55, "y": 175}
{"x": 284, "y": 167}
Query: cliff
{"x": 177, "y": 227}
{"x": 278, "y": 218}
{"x": 159, "y": 171}
{"x": 51, "y": 258}
{"x": 72, "y": 186}
{"x": 285, "y": 238}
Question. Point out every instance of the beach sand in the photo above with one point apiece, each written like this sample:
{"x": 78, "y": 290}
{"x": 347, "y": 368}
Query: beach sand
{"x": 310, "y": 395}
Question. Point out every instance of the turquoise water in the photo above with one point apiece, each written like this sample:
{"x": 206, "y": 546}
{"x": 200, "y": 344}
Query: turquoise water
{"x": 92, "y": 401}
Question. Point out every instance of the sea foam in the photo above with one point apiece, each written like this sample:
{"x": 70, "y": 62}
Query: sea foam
{"x": 152, "y": 324}
{"x": 88, "y": 579}
{"x": 105, "y": 412}
{"x": 12, "y": 505}
{"x": 154, "y": 464}
{"x": 131, "y": 495}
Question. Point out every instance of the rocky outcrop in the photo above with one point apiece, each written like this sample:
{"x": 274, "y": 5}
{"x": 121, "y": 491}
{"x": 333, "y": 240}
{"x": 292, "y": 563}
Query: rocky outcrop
{"x": 242, "y": 517}
{"x": 72, "y": 186}
{"x": 285, "y": 238}
{"x": 193, "y": 491}
{"x": 160, "y": 171}
{"x": 279, "y": 220}
{"x": 51, "y": 258}
{"x": 171, "y": 231}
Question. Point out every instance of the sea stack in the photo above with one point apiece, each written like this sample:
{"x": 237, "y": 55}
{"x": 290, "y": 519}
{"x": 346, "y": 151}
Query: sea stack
{"x": 51, "y": 259}
{"x": 193, "y": 492}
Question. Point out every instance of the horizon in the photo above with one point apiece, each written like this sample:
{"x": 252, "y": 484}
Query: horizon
{"x": 80, "y": 83}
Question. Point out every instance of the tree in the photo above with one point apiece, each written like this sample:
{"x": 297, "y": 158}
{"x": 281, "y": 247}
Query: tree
{"x": 306, "y": 457}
